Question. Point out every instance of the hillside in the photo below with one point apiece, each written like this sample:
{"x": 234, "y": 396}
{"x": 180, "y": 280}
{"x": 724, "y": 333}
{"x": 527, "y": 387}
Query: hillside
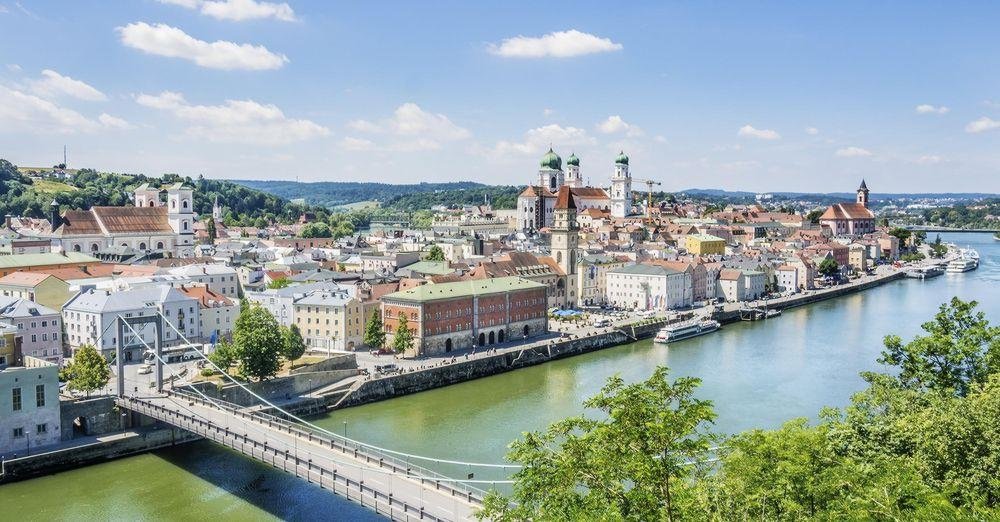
{"x": 337, "y": 193}
{"x": 24, "y": 195}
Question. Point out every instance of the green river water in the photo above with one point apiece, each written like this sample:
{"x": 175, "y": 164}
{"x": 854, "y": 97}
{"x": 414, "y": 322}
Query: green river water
{"x": 758, "y": 375}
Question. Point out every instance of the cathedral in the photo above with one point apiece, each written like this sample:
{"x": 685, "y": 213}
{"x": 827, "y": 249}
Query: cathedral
{"x": 537, "y": 204}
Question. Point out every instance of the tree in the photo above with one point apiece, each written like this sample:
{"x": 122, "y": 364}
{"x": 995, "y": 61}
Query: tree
{"x": 960, "y": 351}
{"x": 318, "y": 229}
{"x": 259, "y": 343}
{"x": 225, "y": 355}
{"x": 829, "y": 267}
{"x": 902, "y": 234}
{"x": 813, "y": 215}
{"x": 883, "y": 222}
{"x": 919, "y": 237}
{"x": 295, "y": 346}
{"x": 279, "y": 283}
{"x": 403, "y": 340}
{"x": 89, "y": 370}
{"x": 375, "y": 331}
{"x": 938, "y": 249}
{"x": 435, "y": 254}
{"x": 635, "y": 462}
{"x": 210, "y": 228}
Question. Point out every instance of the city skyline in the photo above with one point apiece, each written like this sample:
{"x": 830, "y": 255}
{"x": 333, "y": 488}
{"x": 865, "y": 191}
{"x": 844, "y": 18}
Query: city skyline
{"x": 778, "y": 97}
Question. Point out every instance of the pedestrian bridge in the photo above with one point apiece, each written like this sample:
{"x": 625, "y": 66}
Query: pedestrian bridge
{"x": 383, "y": 482}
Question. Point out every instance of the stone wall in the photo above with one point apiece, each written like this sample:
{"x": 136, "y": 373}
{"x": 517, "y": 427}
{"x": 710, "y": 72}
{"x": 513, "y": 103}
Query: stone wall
{"x": 346, "y": 361}
{"x": 278, "y": 389}
{"x": 486, "y": 365}
{"x": 98, "y": 417}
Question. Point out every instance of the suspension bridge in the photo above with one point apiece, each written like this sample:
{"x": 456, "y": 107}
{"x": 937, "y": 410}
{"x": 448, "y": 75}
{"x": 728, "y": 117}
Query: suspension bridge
{"x": 384, "y": 480}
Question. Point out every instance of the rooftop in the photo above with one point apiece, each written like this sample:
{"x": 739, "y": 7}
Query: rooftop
{"x": 47, "y": 259}
{"x": 473, "y": 287}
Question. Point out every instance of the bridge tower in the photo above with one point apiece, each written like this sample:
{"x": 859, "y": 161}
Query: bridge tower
{"x": 120, "y": 348}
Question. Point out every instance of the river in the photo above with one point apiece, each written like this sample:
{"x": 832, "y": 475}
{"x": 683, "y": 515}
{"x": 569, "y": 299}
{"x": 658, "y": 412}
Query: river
{"x": 757, "y": 374}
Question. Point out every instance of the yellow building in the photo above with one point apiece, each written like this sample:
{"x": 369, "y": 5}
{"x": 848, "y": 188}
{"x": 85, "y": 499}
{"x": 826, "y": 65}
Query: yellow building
{"x": 705, "y": 244}
{"x": 330, "y": 320}
{"x": 7, "y": 355}
{"x": 44, "y": 289}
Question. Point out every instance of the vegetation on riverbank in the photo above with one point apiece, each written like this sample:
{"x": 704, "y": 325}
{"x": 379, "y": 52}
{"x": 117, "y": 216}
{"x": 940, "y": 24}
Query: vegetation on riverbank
{"x": 919, "y": 443}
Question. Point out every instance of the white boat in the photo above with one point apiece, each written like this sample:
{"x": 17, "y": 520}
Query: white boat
{"x": 960, "y": 265}
{"x": 676, "y": 332}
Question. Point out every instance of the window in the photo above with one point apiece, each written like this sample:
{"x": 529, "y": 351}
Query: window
{"x": 18, "y": 433}
{"x": 40, "y": 395}
{"x": 15, "y": 399}
{"x": 41, "y": 429}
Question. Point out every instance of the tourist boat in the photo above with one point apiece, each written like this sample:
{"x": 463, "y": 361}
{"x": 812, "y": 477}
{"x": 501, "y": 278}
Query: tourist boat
{"x": 676, "y": 332}
{"x": 773, "y": 312}
{"x": 962, "y": 264}
{"x": 924, "y": 272}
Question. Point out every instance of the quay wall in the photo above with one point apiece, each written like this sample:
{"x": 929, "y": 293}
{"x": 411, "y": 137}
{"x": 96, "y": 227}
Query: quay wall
{"x": 277, "y": 389}
{"x": 486, "y": 365}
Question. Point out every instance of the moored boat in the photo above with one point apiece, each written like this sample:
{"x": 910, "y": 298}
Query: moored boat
{"x": 676, "y": 332}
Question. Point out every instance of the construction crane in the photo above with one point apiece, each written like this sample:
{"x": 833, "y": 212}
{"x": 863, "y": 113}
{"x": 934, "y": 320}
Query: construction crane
{"x": 649, "y": 195}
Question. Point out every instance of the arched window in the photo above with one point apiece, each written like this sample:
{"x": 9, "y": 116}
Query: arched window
{"x": 185, "y": 225}
{"x": 527, "y": 330}
{"x": 493, "y": 338}
{"x": 150, "y": 202}
{"x": 447, "y": 345}
{"x": 94, "y": 247}
{"x": 185, "y": 204}
{"x": 558, "y": 257}
{"x": 173, "y": 203}
{"x": 76, "y": 248}
{"x": 482, "y": 339}
{"x": 552, "y": 183}
{"x": 500, "y": 337}
{"x": 142, "y": 246}
{"x": 159, "y": 245}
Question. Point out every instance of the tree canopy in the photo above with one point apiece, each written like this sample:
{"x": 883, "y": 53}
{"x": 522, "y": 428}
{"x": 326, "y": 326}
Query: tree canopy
{"x": 374, "y": 330}
{"x": 828, "y": 267}
{"x": 259, "y": 343}
{"x": 435, "y": 253}
{"x": 403, "y": 340}
{"x": 89, "y": 370}
{"x": 295, "y": 346}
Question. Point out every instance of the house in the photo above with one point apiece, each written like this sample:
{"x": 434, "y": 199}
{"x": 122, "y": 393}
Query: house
{"x": 648, "y": 286}
{"x": 281, "y": 301}
{"x": 705, "y": 244}
{"x": 852, "y": 219}
{"x": 330, "y": 319}
{"x": 217, "y": 312}
{"x": 45, "y": 262}
{"x": 221, "y": 279}
{"x": 39, "y": 328}
{"x": 463, "y": 314}
{"x": 787, "y": 278}
{"x": 592, "y": 273}
{"x": 29, "y": 400}
{"x": 741, "y": 285}
{"x": 42, "y": 288}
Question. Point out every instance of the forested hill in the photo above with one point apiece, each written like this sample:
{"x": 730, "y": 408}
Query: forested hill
{"x": 24, "y": 195}
{"x": 334, "y": 193}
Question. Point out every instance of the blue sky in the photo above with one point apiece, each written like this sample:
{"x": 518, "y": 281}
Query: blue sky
{"x": 760, "y": 96}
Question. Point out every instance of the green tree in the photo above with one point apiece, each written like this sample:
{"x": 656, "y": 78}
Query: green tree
{"x": 375, "y": 330}
{"x": 318, "y": 229}
{"x": 636, "y": 462}
{"x": 828, "y": 267}
{"x": 225, "y": 355}
{"x": 89, "y": 370}
{"x": 258, "y": 341}
{"x": 435, "y": 254}
{"x": 403, "y": 340}
{"x": 961, "y": 349}
{"x": 295, "y": 346}
{"x": 279, "y": 283}
{"x": 938, "y": 249}
{"x": 210, "y": 228}
{"x": 902, "y": 234}
{"x": 919, "y": 237}
{"x": 813, "y": 215}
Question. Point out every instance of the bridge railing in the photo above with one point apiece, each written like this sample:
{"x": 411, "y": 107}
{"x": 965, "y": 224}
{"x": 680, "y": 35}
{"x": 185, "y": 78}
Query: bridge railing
{"x": 382, "y": 502}
{"x": 346, "y": 446}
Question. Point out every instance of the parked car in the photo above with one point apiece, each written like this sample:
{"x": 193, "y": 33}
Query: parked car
{"x": 145, "y": 369}
{"x": 601, "y": 323}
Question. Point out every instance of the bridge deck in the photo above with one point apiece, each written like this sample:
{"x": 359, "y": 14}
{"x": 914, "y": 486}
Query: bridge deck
{"x": 378, "y": 481}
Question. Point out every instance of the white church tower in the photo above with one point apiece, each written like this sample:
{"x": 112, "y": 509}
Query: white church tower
{"x": 573, "y": 179}
{"x": 181, "y": 216}
{"x": 621, "y": 188}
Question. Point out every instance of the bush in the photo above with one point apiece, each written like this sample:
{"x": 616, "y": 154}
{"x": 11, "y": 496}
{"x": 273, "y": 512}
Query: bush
{"x": 207, "y": 372}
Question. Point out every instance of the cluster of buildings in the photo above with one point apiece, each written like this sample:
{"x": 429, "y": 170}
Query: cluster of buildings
{"x": 64, "y": 281}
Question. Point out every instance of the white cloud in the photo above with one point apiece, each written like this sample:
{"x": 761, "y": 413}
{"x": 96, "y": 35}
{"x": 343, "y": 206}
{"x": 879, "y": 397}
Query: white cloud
{"x": 660, "y": 139}
{"x": 27, "y": 113}
{"x": 356, "y": 144}
{"x": 812, "y": 131}
{"x": 235, "y": 121}
{"x": 930, "y": 159}
{"x": 53, "y": 84}
{"x": 853, "y": 152}
{"x": 238, "y": 10}
{"x": 748, "y": 131}
{"x": 164, "y": 40}
{"x": 548, "y": 112}
{"x": 539, "y": 139}
{"x": 113, "y": 122}
{"x": 13, "y": 67}
{"x": 930, "y": 109}
{"x": 982, "y": 125}
{"x": 559, "y": 44}
{"x": 615, "y": 124}
{"x": 412, "y": 129}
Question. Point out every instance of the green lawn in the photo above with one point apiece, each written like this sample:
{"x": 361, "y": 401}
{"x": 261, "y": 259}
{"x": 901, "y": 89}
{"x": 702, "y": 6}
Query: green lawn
{"x": 47, "y": 186}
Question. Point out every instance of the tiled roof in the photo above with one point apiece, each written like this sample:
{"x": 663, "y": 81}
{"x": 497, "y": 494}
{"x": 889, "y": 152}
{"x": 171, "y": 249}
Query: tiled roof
{"x": 644, "y": 269}
{"x": 206, "y": 297}
{"x": 46, "y": 259}
{"x": 847, "y": 211}
{"x": 468, "y": 288}
{"x": 589, "y": 192}
{"x": 134, "y": 219}
{"x": 79, "y": 222}
{"x": 24, "y": 279}
{"x": 564, "y": 201}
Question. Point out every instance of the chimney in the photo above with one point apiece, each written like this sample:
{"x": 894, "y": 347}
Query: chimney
{"x": 6, "y": 220}
{"x": 54, "y": 218}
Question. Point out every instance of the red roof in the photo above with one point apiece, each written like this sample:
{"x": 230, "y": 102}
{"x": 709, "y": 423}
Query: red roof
{"x": 847, "y": 211}
{"x": 564, "y": 201}
{"x": 25, "y": 279}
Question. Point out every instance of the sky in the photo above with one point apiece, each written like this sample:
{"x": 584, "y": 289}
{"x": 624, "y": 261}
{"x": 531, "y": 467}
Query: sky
{"x": 758, "y": 96}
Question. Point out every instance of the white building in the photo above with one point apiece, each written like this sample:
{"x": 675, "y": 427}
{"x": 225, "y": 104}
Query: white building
{"x": 741, "y": 285}
{"x": 29, "y": 406}
{"x": 149, "y": 226}
{"x": 281, "y": 302}
{"x": 592, "y": 274}
{"x": 218, "y": 313}
{"x": 621, "y": 188}
{"x": 787, "y": 277}
{"x": 536, "y": 204}
{"x": 649, "y": 287}
{"x": 221, "y": 279}
{"x": 90, "y": 317}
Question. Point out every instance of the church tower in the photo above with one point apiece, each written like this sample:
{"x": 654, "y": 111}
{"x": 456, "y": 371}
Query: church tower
{"x": 550, "y": 173}
{"x": 863, "y": 194}
{"x": 181, "y": 216}
{"x": 621, "y": 188}
{"x": 573, "y": 178}
{"x": 566, "y": 240}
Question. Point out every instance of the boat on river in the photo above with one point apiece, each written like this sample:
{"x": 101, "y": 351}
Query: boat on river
{"x": 677, "y": 332}
{"x": 924, "y": 272}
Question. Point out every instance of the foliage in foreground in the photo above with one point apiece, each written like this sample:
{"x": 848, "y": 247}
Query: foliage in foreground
{"x": 88, "y": 372}
{"x": 920, "y": 443}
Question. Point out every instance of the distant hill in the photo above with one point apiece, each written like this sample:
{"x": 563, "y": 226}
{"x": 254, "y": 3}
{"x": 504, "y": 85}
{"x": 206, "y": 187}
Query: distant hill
{"x": 718, "y": 193}
{"x": 337, "y": 193}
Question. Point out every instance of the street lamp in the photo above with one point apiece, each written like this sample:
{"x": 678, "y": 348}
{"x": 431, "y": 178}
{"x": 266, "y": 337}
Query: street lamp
{"x": 345, "y": 429}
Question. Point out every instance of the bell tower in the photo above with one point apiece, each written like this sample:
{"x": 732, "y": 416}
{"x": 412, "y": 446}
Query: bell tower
{"x": 566, "y": 240}
{"x": 621, "y": 188}
{"x": 863, "y": 194}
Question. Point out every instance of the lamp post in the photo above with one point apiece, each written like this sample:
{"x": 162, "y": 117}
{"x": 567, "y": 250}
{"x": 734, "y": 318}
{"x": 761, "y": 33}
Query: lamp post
{"x": 345, "y": 429}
